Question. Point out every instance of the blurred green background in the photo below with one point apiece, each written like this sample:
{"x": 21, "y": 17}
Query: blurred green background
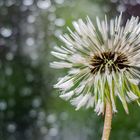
{"x": 30, "y": 109}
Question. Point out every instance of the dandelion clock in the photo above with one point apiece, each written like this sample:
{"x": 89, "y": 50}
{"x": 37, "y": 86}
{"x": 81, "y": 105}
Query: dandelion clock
{"x": 102, "y": 63}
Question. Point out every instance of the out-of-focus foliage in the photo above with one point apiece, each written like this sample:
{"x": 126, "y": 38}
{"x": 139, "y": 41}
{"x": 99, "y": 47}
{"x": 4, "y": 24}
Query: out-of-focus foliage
{"x": 30, "y": 108}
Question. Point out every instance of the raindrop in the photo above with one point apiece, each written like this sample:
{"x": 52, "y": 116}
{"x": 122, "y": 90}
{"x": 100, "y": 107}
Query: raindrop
{"x": 138, "y": 1}
{"x": 3, "y": 105}
{"x": 42, "y": 115}
{"x": 121, "y": 8}
{"x": 9, "y": 56}
{"x": 44, "y": 130}
{"x": 44, "y": 4}
{"x": 30, "y": 41}
{"x": 59, "y": 1}
{"x": 28, "y": 2}
{"x": 57, "y": 33}
{"x": 6, "y": 32}
{"x": 26, "y": 91}
{"x": 53, "y": 132}
{"x": 52, "y": 9}
{"x": 33, "y": 113}
{"x": 59, "y": 22}
{"x": 36, "y": 102}
{"x": 34, "y": 56}
{"x": 31, "y": 19}
{"x": 10, "y": 3}
{"x": 11, "y": 128}
{"x": 51, "y": 118}
{"x": 51, "y": 17}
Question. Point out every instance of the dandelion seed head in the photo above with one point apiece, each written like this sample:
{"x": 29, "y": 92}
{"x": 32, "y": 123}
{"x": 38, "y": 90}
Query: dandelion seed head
{"x": 102, "y": 63}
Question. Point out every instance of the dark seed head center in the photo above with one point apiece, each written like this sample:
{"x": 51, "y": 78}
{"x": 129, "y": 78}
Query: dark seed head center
{"x": 113, "y": 61}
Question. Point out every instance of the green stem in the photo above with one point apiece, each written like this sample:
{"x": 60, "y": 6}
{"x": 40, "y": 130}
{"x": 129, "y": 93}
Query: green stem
{"x": 107, "y": 122}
